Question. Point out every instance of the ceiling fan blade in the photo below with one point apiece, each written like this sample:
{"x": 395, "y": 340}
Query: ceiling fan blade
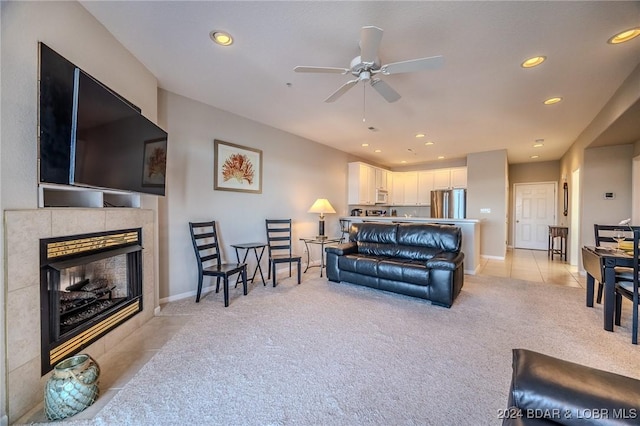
{"x": 342, "y": 90}
{"x": 412, "y": 65}
{"x": 370, "y": 38}
{"x": 322, "y": 70}
{"x": 385, "y": 90}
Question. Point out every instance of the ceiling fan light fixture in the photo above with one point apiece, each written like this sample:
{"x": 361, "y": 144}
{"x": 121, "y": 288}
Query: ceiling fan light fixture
{"x": 533, "y": 62}
{"x": 222, "y": 38}
{"x": 552, "y": 101}
{"x": 624, "y": 36}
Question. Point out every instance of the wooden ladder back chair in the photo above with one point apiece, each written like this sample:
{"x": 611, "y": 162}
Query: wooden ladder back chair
{"x": 205, "y": 244}
{"x": 280, "y": 246}
{"x": 629, "y": 289}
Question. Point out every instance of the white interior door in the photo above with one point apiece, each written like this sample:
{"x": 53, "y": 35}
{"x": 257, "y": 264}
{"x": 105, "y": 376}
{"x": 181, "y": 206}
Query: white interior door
{"x": 535, "y": 210}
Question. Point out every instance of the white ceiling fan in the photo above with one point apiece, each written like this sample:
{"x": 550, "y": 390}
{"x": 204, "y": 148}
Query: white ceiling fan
{"x": 367, "y": 65}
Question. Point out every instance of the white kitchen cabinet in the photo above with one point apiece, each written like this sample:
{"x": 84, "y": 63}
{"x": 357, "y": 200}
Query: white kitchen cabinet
{"x": 382, "y": 179}
{"x": 397, "y": 189}
{"x": 425, "y": 186}
{"x": 441, "y": 179}
{"x": 410, "y": 188}
{"x": 459, "y": 177}
{"x": 362, "y": 184}
{"x": 455, "y": 177}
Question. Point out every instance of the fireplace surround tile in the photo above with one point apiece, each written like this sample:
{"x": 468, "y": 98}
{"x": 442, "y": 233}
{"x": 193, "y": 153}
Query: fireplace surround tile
{"x": 65, "y": 222}
{"x": 21, "y": 383}
{"x": 22, "y": 342}
{"x": 23, "y": 259}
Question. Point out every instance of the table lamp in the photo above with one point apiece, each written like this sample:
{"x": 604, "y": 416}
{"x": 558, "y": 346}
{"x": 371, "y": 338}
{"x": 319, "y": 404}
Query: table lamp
{"x": 321, "y": 206}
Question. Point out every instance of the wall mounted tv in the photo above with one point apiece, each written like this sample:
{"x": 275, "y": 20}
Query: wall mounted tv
{"x": 92, "y": 137}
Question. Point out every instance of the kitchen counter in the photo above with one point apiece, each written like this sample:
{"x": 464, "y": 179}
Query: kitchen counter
{"x": 470, "y": 234}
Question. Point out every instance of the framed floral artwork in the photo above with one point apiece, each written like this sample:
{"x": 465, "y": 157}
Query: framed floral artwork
{"x": 154, "y": 166}
{"x": 237, "y": 168}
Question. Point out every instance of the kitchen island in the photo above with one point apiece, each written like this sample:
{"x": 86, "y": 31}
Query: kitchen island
{"x": 470, "y": 234}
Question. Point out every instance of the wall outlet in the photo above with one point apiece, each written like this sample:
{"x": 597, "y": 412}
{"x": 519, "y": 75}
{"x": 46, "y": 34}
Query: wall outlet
{"x": 485, "y": 210}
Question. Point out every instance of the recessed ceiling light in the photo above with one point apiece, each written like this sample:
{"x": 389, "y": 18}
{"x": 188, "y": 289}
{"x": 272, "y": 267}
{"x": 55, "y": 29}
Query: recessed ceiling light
{"x": 534, "y": 156}
{"x": 222, "y": 38}
{"x": 624, "y": 36}
{"x": 552, "y": 101}
{"x": 365, "y": 144}
{"x": 428, "y": 143}
{"x": 441, "y": 157}
{"x": 403, "y": 161}
{"x": 420, "y": 135}
{"x": 538, "y": 145}
{"x": 378, "y": 150}
{"x": 533, "y": 62}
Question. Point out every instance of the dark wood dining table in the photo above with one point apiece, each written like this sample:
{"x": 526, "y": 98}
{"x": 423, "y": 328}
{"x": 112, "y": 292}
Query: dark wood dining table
{"x": 600, "y": 264}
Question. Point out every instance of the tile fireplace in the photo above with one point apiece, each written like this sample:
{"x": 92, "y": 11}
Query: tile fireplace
{"x": 89, "y": 285}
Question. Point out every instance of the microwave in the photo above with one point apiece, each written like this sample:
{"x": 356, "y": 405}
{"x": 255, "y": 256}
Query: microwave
{"x": 382, "y": 196}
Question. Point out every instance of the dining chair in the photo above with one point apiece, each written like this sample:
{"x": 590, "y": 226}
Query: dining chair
{"x": 205, "y": 244}
{"x": 280, "y": 246}
{"x": 629, "y": 289}
{"x": 604, "y": 238}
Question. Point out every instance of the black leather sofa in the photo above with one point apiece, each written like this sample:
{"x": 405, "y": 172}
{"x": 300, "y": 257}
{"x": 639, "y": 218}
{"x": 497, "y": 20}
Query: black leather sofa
{"x": 416, "y": 259}
{"x": 550, "y": 391}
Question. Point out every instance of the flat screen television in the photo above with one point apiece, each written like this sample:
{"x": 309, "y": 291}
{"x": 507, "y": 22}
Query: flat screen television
{"x": 92, "y": 137}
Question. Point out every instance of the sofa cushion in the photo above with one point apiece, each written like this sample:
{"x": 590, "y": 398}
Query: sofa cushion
{"x": 375, "y": 239}
{"x": 364, "y": 265}
{"x": 395, "y": 269}
{"x": 410, "y": 271}
{"x": 440, "y": 237}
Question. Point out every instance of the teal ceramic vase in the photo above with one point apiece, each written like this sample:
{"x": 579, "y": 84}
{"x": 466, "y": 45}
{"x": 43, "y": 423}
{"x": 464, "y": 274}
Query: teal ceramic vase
{"x": 72, "y": 387}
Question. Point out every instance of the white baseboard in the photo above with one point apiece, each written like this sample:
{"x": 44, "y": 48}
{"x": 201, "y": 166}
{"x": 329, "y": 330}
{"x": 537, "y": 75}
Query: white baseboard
{"x": 484, "y": 256}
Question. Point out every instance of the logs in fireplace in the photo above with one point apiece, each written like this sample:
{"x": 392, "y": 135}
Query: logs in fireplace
{"x": 89, "y": 284}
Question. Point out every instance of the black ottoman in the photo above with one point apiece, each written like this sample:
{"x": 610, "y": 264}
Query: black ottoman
{"x": 550, "y": 391}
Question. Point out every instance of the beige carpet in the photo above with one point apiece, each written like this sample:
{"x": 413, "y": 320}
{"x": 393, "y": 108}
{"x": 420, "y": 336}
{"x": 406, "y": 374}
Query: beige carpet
{"x": 323, "y": 353}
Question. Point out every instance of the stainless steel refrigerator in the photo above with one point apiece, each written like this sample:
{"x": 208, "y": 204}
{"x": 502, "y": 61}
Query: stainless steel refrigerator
{"x": 449, "y": 203}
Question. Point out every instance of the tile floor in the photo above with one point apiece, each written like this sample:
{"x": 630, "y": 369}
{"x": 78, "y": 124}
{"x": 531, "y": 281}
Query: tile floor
{"x": 120, "y": 364}
{"x": 533, "y": 265}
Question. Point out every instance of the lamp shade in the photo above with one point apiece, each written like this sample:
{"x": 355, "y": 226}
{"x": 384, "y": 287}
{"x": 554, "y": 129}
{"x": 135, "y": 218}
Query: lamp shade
{"x": 322, "y": 206}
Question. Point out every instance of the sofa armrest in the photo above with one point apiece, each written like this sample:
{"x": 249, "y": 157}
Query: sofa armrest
{"x": 547, "y": 388}
{"x": 342, "y": 249}
{"x": 446, "y": 260}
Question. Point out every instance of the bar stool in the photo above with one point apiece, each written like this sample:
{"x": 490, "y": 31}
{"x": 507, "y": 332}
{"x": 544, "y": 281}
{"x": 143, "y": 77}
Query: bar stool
{"x": 560, "y": 232}
{"x": 345, "y": 224}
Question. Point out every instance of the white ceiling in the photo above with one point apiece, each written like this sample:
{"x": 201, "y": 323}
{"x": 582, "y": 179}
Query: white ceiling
{"x": 480, "y": 100}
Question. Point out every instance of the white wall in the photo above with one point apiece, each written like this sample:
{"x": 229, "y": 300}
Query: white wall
{"x": 488, "y": 188}
{"x": 296, "y": 171}
{"x": 606, "y": 169}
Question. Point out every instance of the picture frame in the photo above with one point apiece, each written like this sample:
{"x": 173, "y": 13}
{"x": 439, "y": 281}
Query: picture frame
{"x": 236, "y": 168}
{"x": 154, "y": 162}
